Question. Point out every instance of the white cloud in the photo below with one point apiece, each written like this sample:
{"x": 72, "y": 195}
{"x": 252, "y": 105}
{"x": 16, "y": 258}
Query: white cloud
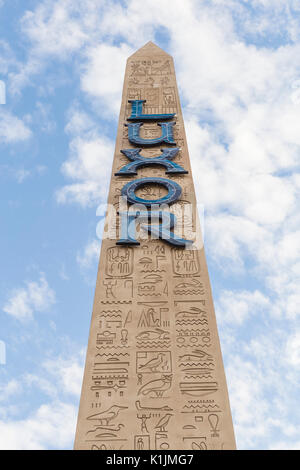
{"x": 35, "y": 297}
{"x": 50, "y": 426}
{"x": 103, "y": 75}
{"x": 6, "y": 57}
{"x": 12, "y": 388}
{"x": 68, "y": 372}
{"x": 260, "y": 381}
{"x": 12, "y": 129}
{"x": 78, "y": 122}
{"x": 42, "y": 115}
{"x": 90, "y": 254}
{"x": 89, "y": 164}
{"x": 228, "y": 234}
{"x": 285, "y": 445}
{"x": 246, "y": 393}
{"x": 41, "y": 383}
{"x": 250, "y": 409}
{"x": 293, "y": 349}
{"x": 52, "y": 29}
{"x": 235, "y": 307}
{"x": 59, "y": 376}
{"x": 53, "y": 423}
{"x": 56, "y": 29}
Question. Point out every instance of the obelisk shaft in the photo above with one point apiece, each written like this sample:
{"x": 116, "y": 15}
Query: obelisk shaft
{"x": 154, "y": 376}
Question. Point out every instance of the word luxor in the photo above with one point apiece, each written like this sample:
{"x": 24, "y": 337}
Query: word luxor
{"x": 153, "y": 220}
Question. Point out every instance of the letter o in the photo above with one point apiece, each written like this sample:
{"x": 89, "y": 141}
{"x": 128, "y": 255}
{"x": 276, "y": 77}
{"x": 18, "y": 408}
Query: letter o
{"x": 174, "y": 191}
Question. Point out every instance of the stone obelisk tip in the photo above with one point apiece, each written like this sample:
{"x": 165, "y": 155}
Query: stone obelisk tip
{"x": 150, "y": 48}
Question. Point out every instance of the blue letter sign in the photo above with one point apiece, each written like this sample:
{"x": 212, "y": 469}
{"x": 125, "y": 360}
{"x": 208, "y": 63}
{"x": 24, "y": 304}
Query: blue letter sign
{"x": 174, "y": 191}
{"x": 138, "y": 161}
{"x": 137, "y": 113}
{"x": 166, "y": 134}
{"x": 160, "y": 230}
{"x": 129, "y": 218}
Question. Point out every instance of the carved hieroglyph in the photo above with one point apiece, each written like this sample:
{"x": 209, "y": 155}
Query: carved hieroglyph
{"x": 154, "y": 376}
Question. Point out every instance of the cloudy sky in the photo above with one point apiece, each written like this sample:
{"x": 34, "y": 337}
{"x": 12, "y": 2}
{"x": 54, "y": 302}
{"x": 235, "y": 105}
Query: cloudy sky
{"x": 62, "y": 65}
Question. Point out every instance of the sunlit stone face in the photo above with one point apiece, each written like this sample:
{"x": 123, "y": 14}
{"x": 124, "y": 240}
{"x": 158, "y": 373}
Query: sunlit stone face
{"x": 154, "y": 377}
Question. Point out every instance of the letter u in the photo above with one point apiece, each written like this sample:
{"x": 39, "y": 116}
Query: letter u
{"x": 166, "y": 134}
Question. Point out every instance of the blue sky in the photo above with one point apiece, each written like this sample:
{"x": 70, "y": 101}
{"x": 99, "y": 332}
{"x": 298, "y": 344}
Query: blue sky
{"x": 238, "y": 69}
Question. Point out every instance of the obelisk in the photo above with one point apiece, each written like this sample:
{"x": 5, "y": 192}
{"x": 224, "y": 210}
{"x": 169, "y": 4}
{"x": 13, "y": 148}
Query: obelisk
{"x": 154, "y": 376}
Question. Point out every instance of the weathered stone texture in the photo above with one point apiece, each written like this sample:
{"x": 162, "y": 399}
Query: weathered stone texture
{"x": 154, "y": 376}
